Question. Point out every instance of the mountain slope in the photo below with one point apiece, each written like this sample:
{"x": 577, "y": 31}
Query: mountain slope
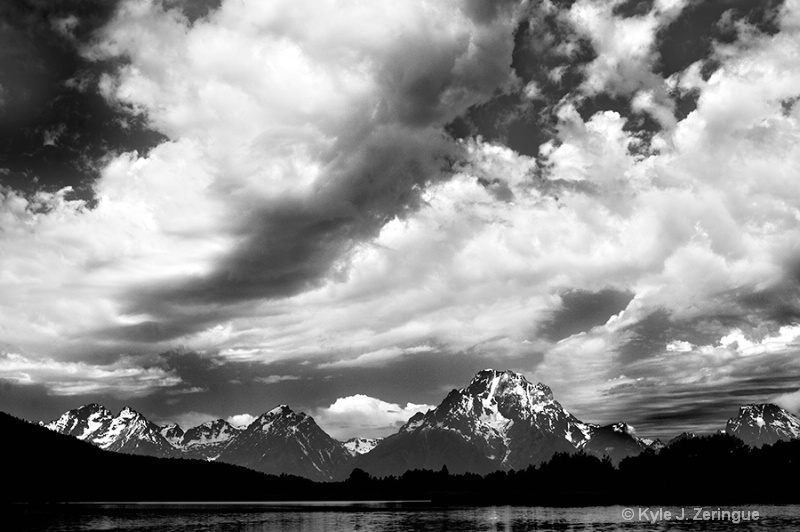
{"x": 173, "y": 433}
{"x": 208, "y": 440}
{"x": 127, "y": 432}
{"x": 499, "y": 421}
{"x": 282, "y": 441}
{"x": 616, "y": 441}
{"x": 278, "y": 442}
{"x": 43, "y": 465}
{"x": 763, "y": 424}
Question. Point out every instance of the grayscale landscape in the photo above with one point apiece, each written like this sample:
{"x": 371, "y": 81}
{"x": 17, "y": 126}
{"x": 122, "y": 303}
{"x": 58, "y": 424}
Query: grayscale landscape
{"x": 422, "y": 264}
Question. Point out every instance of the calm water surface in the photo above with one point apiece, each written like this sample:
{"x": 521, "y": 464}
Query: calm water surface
{"x": 368, "y": 517}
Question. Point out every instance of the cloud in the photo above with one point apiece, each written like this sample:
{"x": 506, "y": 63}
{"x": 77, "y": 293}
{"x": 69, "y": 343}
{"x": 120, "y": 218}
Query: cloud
{"x": 189, "y": 420}
{"x": 317, "y": 129}
{"x": 58, "y": 132}
{"x": 376, "y": 358}
{"x": 241, "y": 420}
{"x": 272, "y": 379}
{"x": 583, "y": 310}
{"x": 677, "y": 385}
{"x": 295, "y": 133}
{"x": 123, "y": 379}
{"x": 624, "y": 47}
{"x": 309, "y": 209}
{"x": 361, "y": 415}
{"x": 790, "y": 401}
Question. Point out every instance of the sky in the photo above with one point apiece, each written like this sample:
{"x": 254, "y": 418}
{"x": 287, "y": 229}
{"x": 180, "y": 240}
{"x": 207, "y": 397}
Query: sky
{"x": 209, "y": 208}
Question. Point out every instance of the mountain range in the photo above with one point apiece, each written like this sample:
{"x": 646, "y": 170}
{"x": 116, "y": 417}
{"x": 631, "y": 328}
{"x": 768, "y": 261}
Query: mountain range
{"x": 499, "y": 421}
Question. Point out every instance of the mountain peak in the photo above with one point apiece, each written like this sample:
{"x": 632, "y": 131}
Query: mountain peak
{"x": 490, "y": 383}
{"x": 215, "y": 423}
{"x": 280, "y": 416}
{"x": 763, "y": 424}
{"x": 623, "y": 428}
{"x": 283, "y": 441}
{"x": 208, "y": 439}
{"x": 499, "y": 420}
{"x": 128, "y": 431}
{"x": 358, "y": 446}
{"x": 83, "y": 421}
{"x": 172, "y": 432}
{"x": 760, "y": 409}
{"x": 508, "y": 393}
{"x": 280, "y": 410}
{"x": 93, "y": 407}
{"x": 128, "y": 412}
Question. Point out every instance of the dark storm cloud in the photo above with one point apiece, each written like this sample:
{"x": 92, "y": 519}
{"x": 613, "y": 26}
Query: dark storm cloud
{"x": 695, "y": 409}
{"x": 293, "y": 246}
{"x": 33, "y": 401}
{"x": 771, "y": 307}
{"x": 581, "y": 310}
{"x": 691, "y": 36}
{"x": 702, "y": 407}
{"x": 545, "y": 43}
{"x": 193, "y": 9}
{"x": 375, "y": 171}
{"x": 152, "y": 331}
{"x": 254, "y": 387}
{"x": 775, "y": 305}
{"x": 484, "y": 12}
{"x": 650, "y": 335}
{"x": 55, "y": 127}
{"x": 633, "y": 8}
{"x": 757, "y": 311}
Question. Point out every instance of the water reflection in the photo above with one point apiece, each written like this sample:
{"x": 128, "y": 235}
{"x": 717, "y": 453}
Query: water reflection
{"x": 316, "y": 517}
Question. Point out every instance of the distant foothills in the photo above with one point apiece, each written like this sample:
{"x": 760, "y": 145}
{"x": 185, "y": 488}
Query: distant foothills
{"x": 501, "y": 438}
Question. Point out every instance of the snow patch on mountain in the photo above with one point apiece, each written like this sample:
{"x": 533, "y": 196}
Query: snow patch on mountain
{"x": 358, "y": 446}
{"x": 763, "y": 424}
{"x": 172, "y": 433}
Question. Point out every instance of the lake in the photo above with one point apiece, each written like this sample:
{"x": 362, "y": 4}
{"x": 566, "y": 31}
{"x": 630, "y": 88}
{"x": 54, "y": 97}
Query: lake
{"x": 393, "y": 516}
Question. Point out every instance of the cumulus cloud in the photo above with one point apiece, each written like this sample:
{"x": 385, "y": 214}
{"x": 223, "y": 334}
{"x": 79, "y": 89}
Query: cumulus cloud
{"x": 363, "y": 416}
{"x": 789, "y": 401}
{"x": 317, "y": 129}
{"x": 241, "y": 420}
{"x": 624, "y": 47}
{"x": 295, "y": 133}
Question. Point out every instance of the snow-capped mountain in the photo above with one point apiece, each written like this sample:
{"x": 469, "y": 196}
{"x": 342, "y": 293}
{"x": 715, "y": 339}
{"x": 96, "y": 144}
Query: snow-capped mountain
{"x": 499, "y": 421}
{"x": 681, "y": 437}
{"x": 173, "y": 433}
{"x": 127, "y": 432}
{"x": 208, "y": 440}
{"x": 357, "y": 446}
{"x": 763, "y": 424}
{"x": 282, "y": 441}
{"x": 616, "y": 441}
{"x": 653, "y": 444}
{"x": 82, "y": 422}
{"x": 279, "y": 441}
